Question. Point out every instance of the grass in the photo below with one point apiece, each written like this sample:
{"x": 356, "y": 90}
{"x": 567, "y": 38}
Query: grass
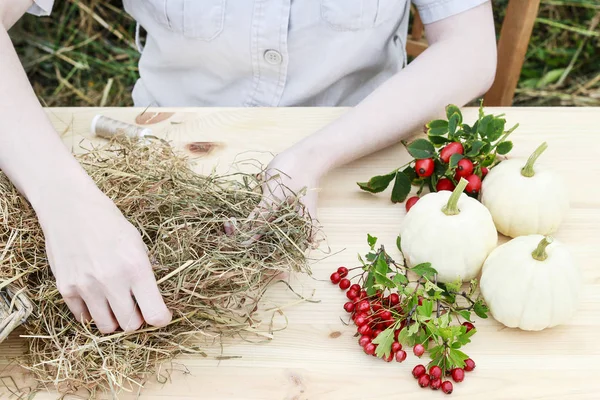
{"x": 85, "y": 54}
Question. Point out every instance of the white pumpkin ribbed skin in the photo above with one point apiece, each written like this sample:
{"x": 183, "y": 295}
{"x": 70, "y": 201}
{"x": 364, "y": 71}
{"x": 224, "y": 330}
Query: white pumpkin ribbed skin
{"x": 457, "y": 245}
{"x": 521, "y": 205}
{"x": 525, "y": 293}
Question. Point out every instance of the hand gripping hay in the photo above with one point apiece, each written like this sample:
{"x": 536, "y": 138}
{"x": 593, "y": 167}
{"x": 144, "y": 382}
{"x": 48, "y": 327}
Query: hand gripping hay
{"x": 210, "y": 281}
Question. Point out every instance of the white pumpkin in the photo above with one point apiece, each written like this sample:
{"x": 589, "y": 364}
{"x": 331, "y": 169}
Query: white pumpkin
{"x": 531, "y": 283}
{"x": 524, "y": 201}
{"x": 452, "y": 231}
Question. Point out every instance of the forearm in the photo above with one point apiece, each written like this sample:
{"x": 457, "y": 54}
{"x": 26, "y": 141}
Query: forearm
{"x": 453, "y": 70}
{"x": 32, "y": 155}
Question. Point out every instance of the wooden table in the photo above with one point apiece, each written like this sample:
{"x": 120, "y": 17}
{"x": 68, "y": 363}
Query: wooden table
{"x": 317, "y": 357}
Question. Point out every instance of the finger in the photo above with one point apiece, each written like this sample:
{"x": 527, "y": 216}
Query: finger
{"x": 78, "y": 308}
{"x": 151, "y": 304}
{"x": 125, "y": 310}
{"x": 100, "y": 310}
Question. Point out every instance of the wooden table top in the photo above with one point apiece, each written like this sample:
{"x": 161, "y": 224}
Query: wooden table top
{"x": 316, "y": 356}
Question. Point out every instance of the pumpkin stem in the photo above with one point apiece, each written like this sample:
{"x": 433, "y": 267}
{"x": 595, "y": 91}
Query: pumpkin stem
{"x": 527, "y": 170}
{"x": 451, "y": 208}
{"x": 540, "y": 252}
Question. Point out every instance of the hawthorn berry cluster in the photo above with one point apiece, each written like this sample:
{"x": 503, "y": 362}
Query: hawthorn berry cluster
{"x": 393, "y": 306}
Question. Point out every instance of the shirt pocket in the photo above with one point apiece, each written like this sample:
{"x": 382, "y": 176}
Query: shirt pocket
{"x": 194, "y": 19}
{"x": 356, "y": 15}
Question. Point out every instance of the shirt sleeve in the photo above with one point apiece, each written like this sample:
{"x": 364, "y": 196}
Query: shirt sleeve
{"x": 41, "y": 7}
{"x": 435, "y": 10}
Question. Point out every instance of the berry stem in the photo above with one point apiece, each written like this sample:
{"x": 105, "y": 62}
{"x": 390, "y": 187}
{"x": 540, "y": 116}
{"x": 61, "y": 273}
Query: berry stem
{"x": 451, "y": 208}
{"x": 527, "y": 170}
{"x": 540, "y": 252}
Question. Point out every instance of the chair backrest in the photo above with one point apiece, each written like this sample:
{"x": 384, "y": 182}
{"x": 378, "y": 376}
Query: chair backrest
{"x": 512, "y": 47}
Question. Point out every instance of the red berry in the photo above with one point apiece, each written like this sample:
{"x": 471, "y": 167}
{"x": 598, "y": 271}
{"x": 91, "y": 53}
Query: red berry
{"x": 424, "y": 167}
{"x": 365, "y": 330}
{"x": 360, "y": 320}
{"x": 389, "y": 358}
{"x": 376, "y": 306}
{"x": 418, "y": 370}
{"x": 355, "y": 287}
{"x": 449, "y": 149}
{"x": 364, "y": 340}
{"x": 464, "y": 168}
{"x": 396, "y": 333}
{"x": 370, "y": 349}
{"x": 394, "y": 299}
{"x": 376, "y": 333}
{"x": 458, "y": 374}
{"x": 335, "y": 278}
{"x": 389, "y": 323}
{"x": 444, "y": 184}
{"x": 400, "y": 356}
{"x": 424, "y": 380}
{"x": 435, "y": 372}
{"x": 351, "y": 294}
{"x": 469, "y": 326}
{"x": 420, "y": 300}
{"x": 386, "y": 315}
{"x": 436, "y": 384}
{"x": 447, "y": 387}
{"x": 484, "y": 172}
{"x": 349, "y": 306}
{"x": 474, "y": 184}
{"x": 396, "y": 347}
{"x": 344, "y": 284}
{"x": 343, "y": 271}
{"x": 469, "y": 365}
{"x": 419, "y": 350}
{"x": 380, "y": 326}
{"x": 363, "y": 306}
{"x": 411, "y": 202}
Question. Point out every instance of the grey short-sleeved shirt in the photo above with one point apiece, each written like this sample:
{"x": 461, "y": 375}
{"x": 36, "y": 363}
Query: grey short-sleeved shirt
{"x": 271, "y": 53}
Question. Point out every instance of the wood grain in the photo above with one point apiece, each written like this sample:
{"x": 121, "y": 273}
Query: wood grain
{"x": 317, "y": 357}
{"x": 512, "y": 47}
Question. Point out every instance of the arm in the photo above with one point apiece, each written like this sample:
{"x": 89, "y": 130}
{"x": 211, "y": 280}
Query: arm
{"x": 458, "y": 66}
{"x": 88, "y": 241}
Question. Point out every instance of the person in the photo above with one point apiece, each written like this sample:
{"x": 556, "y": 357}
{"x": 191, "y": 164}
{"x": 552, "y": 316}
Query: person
{"x": 244, "y": 53}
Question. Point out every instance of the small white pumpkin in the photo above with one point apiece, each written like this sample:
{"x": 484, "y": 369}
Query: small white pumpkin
{"x": 452, "y": 231}
{"x": 523, "y": 201}
{"x": 531, "y": 283}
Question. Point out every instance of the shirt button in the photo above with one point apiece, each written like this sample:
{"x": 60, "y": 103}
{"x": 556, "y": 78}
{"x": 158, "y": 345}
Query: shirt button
{"x": 273, "y": 57}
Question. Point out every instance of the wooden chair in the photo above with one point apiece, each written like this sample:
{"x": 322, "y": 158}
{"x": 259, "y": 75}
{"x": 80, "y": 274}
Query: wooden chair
{"x": 512, "y": 47}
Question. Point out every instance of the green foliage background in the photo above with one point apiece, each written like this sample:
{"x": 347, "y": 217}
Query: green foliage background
{"x": 85, "y": 55}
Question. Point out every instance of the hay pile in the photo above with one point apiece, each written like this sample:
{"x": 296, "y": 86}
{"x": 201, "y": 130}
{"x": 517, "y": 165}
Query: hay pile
{"x": 210, "y": 281}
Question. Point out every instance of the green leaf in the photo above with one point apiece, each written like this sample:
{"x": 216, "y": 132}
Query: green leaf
{"x": 436, "y": 351}
{"x": 445, "y": 333}
{"x": 426, "y": 308}
{"x": 454, "y": 286}
{"x": 488, "y": 160}
{"x": 438, "y": 140}
{"x": 371, "y": 257}
{"x": 550, "y": 77}
{"x": 505, "y": 147}
{"x": 454, "y": 159}
{"x": 381, "y": 266}
{"x": 465, "y": 338}
{"x": 421, "y": 148}
{"x": 465, "y": 314}
{"x": 424, "y": 270}
{"x": 384, "y": 281}
{"x": 481, "y": 309}
{"x": 377, "y": 183}
{"x": 483, "y": 126}
{"x": 400, "y": 279}
{"x": 410, "y": 172}
{"x": 453, "y": 122}
{"x": 401, "y": 188}
{"x": 445, "y": 320}
{"x": 399, "y": 243}
{"x": 495, "y": 129}
{"x": 457, "y": 358}
{"x": 414, "y": 328}
{"x": 371, "y": 240}
{"x": 384, "y": 342}
{"x": 456, "y": 345}
{"x": 369, "y": 284}
{"x": 437, "y": 127}
{"x": 451, "y": 109}
{"x": 476, "y": 147}
{"x": 430, "y": 286}
{"x": 440, "y": 168}
{"x": 403, "y": 336}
